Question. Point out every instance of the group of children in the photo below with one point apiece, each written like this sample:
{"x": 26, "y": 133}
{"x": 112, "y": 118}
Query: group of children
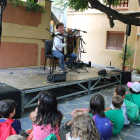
{"x": 87, "y": 124}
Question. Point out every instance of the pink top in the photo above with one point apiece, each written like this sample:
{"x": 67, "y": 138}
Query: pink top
{"x": 41, "y": 134}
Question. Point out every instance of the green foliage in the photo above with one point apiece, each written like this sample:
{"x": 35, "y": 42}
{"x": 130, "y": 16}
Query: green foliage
{"x": 77, "y": 5}
{"x": 129, "y": 54}
{"x": 138, "y": 70}
{"x": 17, "y": 2}
{"x": 32, "y": 5}
{"x": 81, "y": 5}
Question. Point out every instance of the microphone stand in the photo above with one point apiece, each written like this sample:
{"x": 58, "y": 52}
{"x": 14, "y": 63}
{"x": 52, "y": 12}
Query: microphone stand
{"x": 53, "y": 35}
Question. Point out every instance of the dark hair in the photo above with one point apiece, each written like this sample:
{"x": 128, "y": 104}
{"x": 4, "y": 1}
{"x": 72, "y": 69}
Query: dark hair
{"x": 132, "y": 91}
{"x": 97, "y": 105}
{"x": 59, "y": 24}
{"x": 7, "y": 107}
{"x": 47, "y": 112}
{"x": 117, "y": 101}
{"x": 84, "y": 127}
{"x": 120, "y": 90}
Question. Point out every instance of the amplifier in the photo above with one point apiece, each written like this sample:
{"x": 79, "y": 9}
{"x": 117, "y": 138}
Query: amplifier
{"x": 102, "y": 72}
{"x": 56, "y": 77}
{"x": 9, "y": 92}
{"x": 126, "y": 77}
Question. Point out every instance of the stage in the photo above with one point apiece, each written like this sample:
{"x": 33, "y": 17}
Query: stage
{"x": 32, "y": 80}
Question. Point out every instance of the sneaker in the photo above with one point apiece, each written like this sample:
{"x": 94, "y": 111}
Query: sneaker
{"x": 65, "y": 72}
{"x": 28, "y": 131}
{"x": 66, "y": 127}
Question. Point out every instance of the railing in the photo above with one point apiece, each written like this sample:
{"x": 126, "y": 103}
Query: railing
{"x": 123, "y": 5}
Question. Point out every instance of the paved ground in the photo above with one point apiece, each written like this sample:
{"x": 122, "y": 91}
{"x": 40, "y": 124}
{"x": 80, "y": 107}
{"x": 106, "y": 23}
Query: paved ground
{"x": 67, "y": 105}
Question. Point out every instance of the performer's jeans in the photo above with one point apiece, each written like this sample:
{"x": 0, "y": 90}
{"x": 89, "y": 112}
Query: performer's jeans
{"x": 60, "y": 56}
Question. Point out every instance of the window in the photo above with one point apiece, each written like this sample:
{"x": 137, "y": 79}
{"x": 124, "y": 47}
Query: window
{"x": 115, "y": 40}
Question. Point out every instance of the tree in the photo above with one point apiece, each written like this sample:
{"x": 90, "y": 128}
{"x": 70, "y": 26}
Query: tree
{"x": 105, "y": 7}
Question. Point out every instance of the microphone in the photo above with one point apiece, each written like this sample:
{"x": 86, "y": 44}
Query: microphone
{"x": 85, "y": 31}
{"x": 83, "y": 52}
{"x": 47, "y": 29}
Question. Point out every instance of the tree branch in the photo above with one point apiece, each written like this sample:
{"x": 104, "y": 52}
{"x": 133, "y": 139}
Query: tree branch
{"x": 111, "y": 21}
{"x": 127, "y": 18}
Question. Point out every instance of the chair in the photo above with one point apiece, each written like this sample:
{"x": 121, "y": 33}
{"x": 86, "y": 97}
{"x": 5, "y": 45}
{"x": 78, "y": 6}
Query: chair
{"x": 48, "y": 50}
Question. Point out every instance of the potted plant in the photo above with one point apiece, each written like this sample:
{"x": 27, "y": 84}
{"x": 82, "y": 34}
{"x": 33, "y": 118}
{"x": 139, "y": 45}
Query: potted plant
{"x": 138, "y": 70}
{"x": 129, "y": 54}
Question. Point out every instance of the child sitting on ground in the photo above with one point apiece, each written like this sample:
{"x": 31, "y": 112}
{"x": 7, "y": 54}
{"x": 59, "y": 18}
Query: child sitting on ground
{"x": 97, "y": 107}
{"x": 46, "y": 118}
{"x": 7, "y": 124}
{"x": 120, "y": 90}
{"x": 134, "y": 97}
{"x": 116, "y": 115}
{"x": 83, "y": 128}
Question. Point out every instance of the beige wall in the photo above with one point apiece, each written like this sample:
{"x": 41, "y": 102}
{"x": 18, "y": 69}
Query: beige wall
{"x": 20, "y": 33}
{"x": 97, "y": 26}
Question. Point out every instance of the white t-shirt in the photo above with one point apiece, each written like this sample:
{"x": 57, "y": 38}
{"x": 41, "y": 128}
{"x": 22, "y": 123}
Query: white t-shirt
{"x": 57, "y": 42}
{"x": 71, "y": 138}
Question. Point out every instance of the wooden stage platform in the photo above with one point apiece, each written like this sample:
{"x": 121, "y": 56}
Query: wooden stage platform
{"x": 30, "y": 80}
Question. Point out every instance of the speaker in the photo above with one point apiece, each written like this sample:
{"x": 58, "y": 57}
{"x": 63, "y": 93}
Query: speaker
{"x": 89, "y": 64}
{"x": 102, "y": 72}
{"x": 3, "y": 2}
{"x": 56, "y": 78}
{"x": 128, "y": 29}
{"x": 9, "y": 92}
{"x": 126, "y": 77}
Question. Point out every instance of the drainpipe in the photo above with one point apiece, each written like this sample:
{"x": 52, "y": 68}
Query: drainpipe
{"x": 138, "y": 34}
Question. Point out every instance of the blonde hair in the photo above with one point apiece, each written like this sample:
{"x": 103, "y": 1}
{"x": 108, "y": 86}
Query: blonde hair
{"x": 84, "y": 127}
{"x": 15, "y": 137}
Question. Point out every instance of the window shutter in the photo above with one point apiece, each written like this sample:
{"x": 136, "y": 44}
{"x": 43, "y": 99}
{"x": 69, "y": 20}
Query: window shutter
{"x": 111, "y": 39}
{"x": 115, "y": 40}
{"x": 119, "y": 40}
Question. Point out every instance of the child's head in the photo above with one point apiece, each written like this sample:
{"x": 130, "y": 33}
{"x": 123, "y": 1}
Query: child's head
{"x": 117, "y": 101}
{"x": 15, "y": 137}
{"x": 7, "y": 108}
{"x": 119, "y": 90}
{"x": 84, "y": 127}
{"x": 97, "y": 105}
{"x": 134, "y": 87}
{"x": 60, "y": 27}
{"x": 47, "y": 112}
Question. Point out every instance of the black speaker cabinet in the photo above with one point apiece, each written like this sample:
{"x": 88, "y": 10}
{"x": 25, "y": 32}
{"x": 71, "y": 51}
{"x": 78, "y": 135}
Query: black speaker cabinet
{"x": 8, "y": 92}
{"x": 56, "y": 78}
{"x": 3, "y": 2}
{"x": 126, "y": 77}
